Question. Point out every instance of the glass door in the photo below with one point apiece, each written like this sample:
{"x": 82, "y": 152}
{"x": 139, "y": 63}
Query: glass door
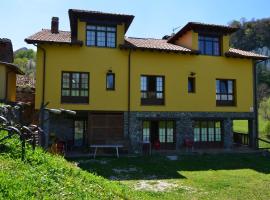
{"x": 79, "y": 129}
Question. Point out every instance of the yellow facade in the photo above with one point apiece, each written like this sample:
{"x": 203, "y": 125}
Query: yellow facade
{"x": 175, "y": 67}
{"x": 2, "y": 81}
{"x": 8, "y": 83}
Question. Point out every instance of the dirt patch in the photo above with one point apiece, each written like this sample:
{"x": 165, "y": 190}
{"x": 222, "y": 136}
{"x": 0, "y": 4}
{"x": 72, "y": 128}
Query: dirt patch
{"x": 155, "y": 186}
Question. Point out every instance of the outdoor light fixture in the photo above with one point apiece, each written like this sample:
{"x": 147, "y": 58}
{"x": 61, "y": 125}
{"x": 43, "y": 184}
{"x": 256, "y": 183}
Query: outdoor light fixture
{"x": 192, "y": 74}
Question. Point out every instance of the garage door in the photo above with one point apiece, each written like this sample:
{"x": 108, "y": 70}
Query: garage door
{"x": 105, "y": 128}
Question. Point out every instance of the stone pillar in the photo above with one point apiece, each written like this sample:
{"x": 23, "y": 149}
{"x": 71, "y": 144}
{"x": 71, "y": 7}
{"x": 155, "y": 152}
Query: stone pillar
{"x": 135, "y": 133}
{"x": 228, "y": 133}
{"x": 183, "y": 129}
{"x": 253, "y": 142}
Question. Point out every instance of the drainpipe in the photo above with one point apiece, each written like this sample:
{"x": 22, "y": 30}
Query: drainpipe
{"x": 129, "y": 66}
{"x": 42, "y": 107}
{"x": 255, "y": 102}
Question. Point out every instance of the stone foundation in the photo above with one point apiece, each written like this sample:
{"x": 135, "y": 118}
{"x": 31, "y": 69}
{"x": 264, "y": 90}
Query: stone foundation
{"x": 184, "y": 125}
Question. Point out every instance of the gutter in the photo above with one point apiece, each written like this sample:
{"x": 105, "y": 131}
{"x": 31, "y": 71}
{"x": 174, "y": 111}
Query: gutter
{"x": 42, "y": 106}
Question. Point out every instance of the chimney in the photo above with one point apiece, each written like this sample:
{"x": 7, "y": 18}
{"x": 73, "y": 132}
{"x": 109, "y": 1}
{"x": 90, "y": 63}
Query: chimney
{"x": 55, "y": 25}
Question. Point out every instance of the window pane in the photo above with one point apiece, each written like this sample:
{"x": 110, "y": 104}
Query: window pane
{"x": 203, "y": 131}
{"x": 101, "y": 39}
{"x": 208, "y": 48}
{"x": 218, "y": 131}
{"x": 143, "y": 83}
{"x": 111, "y": 40}
{"x": 159, "y": 84}
{"x": 111, "y": 29}
{"x": 217, "y": 86}
{"x": 170, "y": 131}
{"x": 211, "y": 131}
{"x": 91, "y": 38}
{"x": 110, "y": 81}
{"x": 146, "y": 131}
{"x": 201, "y": 47}
{"x": 75, "y": 93}
{"x": 223, "y": 86}
{"x": 65, "y": 80}
{"x": 101, "y": 28}
{"x": 75, "y": 80}
{"x": 91, "y": 27}
{"x": 65, "y": 92}
{"x": 216, "y": 49}
{"x": 197, "y": 132}
{"x": 230, "y": 87}
{"x": 162, "y": 132}
{"x": 84, "y": 93}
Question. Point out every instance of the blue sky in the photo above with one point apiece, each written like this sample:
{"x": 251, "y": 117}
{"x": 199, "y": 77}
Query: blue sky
{"x": 153, "y": 18}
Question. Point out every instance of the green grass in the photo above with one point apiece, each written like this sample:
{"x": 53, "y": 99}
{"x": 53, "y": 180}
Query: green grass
{"x": 227, "y": 176}
{"x": 45, "y": 176}
{"x": 242, "y": 127}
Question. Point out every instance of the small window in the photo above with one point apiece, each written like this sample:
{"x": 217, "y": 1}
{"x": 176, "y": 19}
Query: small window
{"x": 110, "y": 81}
{"x": 191, "y": 84}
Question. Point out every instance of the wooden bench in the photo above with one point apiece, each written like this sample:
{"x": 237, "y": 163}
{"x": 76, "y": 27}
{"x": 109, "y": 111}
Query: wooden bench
{"x": 116, "y": 146}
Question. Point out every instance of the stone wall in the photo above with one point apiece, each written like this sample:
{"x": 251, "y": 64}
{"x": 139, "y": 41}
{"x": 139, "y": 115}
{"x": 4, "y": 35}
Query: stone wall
{"x": 184, "y": 125}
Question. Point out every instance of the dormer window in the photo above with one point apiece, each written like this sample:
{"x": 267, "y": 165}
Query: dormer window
{"x": 101, "y": 36}
{"x": 209, "y": 45}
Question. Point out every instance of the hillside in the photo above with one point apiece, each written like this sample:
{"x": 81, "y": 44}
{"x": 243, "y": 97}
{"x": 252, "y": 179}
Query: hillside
{"x": 45, "y": 176}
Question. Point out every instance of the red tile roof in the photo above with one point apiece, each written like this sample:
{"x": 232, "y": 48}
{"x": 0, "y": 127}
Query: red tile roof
{"x": 45, "y": 35}
{"x": 244, "y": 54}
{"x": 154, "y": 44}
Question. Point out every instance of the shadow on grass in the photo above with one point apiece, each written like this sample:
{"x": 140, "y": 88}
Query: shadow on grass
{"x": 159, "y": 167}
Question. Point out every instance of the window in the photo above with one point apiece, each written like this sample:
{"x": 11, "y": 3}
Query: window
{"x": 75, "y": 87}
{"x": 209, "y": 45}
{"x": 79, "y": 130}
{"x": 225, "y": 92}
{"x": 101, "y": 36}
{"x": 152, "y": 90}
{"x": 146, "y": 131}
{"x": 207, "y": 131}
{"x": 110, "y": 81}
{"x": 166, "y": 131}
{"x": 191, "y": 84}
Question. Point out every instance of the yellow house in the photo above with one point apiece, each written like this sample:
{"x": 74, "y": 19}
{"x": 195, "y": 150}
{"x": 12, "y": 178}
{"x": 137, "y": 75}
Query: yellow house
{"x": 8, "y": 72}
{"x": 184, "y": 89}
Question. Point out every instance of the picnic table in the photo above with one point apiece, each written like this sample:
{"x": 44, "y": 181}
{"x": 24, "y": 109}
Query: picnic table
{"x": 116, "y": 146}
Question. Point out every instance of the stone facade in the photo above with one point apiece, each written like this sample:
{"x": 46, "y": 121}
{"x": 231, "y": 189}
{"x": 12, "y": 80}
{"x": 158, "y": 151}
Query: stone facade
{"x": 184, "y": 125}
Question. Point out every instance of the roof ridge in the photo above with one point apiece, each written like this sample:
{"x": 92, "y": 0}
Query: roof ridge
{"x": 46, "y": 29}
{"x": 146, "y": 38}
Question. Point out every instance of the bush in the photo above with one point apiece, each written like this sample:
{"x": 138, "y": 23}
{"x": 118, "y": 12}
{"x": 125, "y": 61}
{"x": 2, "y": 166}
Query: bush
{"x": 267, "y": 129}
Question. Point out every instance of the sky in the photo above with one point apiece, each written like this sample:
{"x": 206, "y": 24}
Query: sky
{"x": 153, "y": 18}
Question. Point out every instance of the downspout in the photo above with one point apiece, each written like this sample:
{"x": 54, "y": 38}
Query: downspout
{"x": 255, "y": 102}
{"x": 129, "y": 66}
{"x": 42, "y": 107}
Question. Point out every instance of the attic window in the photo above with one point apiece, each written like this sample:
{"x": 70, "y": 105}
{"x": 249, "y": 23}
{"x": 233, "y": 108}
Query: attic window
{"x": 101, "y": 36}
{"x": 209, "y": 45}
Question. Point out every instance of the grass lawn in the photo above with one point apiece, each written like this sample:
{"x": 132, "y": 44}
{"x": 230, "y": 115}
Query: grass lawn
{"x": 228, "y": 176}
